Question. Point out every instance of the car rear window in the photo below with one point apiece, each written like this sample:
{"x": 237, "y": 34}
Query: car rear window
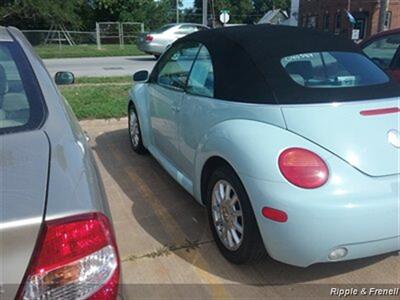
{"x": 21, "y": 105}
{"x": 333, "y": 70}
{"x": 163, "y": 28}
{"x": 383, "y": 50}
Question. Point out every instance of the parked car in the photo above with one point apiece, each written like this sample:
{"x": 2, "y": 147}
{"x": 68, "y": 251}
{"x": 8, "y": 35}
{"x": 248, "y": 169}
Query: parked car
{"x": 292, "y": 145}
{"x": 57, "y": 239}
{"x": 155, "y": 42}
{"x": 384, "y": 50}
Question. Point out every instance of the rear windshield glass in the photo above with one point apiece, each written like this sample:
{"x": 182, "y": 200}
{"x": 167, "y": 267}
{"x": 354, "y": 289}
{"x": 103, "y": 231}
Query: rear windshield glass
{"x": 21, "y": 105}
{"x": 163, "y": 28}
{"x": 333, "y": 70}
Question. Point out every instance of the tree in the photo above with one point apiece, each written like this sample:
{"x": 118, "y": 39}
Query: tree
{"x": 261, "y": 6}
{"x": 241, "y": 11}
{"x": 153, "y": 13}
{"x": 28, "y": 14}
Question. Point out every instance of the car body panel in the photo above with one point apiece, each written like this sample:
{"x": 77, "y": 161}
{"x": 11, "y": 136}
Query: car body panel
{"x": 209, "y": 120}
{"x": 163, "y": 122}
{"x": 72, "y": 163}
{"x": 250, "y": 138}
{"x": 395, "y": 74}
{"x": 352, "y": 210}
{"x": 4, "y": 35}
{"x": 360, "y": 140}
{"x": 73, "y": 185}
{"x": 24, "y": 161}
{"x": 202, "y": 128}
{"x": 161, "y": 41}
{"x": 358, "y": 205}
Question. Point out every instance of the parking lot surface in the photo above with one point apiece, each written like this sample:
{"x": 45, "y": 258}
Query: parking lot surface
{"x": 167, "y": 250}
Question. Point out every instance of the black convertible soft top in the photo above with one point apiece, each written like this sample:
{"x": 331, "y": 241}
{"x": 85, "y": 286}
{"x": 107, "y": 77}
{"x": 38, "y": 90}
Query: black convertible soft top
{"x": 247, "y": 65}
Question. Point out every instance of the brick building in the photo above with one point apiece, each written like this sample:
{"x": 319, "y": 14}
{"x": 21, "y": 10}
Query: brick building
{"x": 331, "y": 15}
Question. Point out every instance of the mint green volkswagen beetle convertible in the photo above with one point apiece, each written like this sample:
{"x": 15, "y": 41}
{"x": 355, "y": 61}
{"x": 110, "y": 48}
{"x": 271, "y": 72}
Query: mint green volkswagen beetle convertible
{"x": 290, "y": 137}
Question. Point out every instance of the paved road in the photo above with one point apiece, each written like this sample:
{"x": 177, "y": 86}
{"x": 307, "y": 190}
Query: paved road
{"x": 101, "y": 66}
{"x": 167, "y": 250}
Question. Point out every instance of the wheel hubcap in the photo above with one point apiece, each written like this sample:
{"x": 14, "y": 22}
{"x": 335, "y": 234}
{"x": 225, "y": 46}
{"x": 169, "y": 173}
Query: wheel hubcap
{"x": 134, "y": 129}
{"x": 227, "y": 215}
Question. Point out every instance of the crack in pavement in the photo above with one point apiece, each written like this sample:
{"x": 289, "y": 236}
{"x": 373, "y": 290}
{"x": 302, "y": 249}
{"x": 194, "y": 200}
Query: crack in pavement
{"x": 168, "y": 249}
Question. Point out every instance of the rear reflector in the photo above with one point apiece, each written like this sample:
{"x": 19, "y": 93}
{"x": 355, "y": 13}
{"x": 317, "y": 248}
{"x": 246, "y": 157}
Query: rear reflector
{"x": 274, "y": 214}
{"x": 75, "y": 258}
{"x": 380, "y": 111}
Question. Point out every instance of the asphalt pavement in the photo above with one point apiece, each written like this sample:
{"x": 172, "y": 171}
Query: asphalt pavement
{"x": 101, "y": 66}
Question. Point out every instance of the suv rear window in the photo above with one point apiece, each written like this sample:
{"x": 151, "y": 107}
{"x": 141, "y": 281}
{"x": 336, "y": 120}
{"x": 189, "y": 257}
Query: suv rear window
{"x": 21, "y": 106}
{"x": 333, "y": 70}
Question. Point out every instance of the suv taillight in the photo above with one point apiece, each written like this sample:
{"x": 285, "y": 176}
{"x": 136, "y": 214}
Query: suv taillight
{"x": 303, "y": 168}
{"x": 75, "y": 257}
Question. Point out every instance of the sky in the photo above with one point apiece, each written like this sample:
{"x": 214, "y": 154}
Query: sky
{"x": 187, "y": 3}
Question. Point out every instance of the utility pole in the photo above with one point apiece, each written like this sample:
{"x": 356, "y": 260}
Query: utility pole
{"x": 382, "y": 15}
{"x": 294, "y": 13}
{"x": 205, "y": 12}
{"x": 177, "y": 11}
{"x": 351, "y": 24}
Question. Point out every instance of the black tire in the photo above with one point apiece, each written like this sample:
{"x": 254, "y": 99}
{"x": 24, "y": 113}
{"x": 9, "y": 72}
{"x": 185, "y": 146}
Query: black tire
{"x": 137, "y": 146}
{"x": 251, "y": 247}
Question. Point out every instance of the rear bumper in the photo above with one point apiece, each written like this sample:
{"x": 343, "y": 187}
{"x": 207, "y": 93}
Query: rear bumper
{"x": 150, "y": 48}
{"x": 363, "y": 218}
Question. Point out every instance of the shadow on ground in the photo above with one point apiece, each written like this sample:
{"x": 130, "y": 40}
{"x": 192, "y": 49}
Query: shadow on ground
{"x": 171, "y": 216}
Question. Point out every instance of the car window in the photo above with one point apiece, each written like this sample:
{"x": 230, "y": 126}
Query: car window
{"x": 176, "y": 64}
{"x": 186, "y": 29}
{"x": 164, "y": 28}
{"x": 333, "y": 70}
{"x": 20, "y": 106}
{"x": 201, "y": 80}
{"x": 382, "y": 51}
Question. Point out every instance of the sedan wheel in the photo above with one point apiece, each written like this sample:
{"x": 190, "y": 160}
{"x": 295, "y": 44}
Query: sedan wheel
{"x": 134, "y": 132}
{"x": 232, "y": 220}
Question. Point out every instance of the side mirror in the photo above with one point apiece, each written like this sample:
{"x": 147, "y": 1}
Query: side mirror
{"x": 141, "y": 76}
{"x": 63, "y": 78}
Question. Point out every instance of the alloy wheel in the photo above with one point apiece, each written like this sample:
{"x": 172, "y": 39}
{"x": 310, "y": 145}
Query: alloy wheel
{"x": 134, "y": 128}
{"x": 227, "y": 215}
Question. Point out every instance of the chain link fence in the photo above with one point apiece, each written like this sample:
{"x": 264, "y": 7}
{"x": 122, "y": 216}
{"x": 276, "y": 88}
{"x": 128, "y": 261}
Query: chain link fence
{"x": 60, "y": 37}
{"x": 115, "y": 33}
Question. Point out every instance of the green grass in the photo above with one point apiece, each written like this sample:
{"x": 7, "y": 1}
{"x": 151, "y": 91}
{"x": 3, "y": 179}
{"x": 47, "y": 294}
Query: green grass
{"x": 94, "y": 80}
{"x": 104, "y": 101}
{"x": 54, "y": 51}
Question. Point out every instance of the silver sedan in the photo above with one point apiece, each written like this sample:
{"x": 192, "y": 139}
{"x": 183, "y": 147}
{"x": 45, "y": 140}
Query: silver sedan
{"x": 155, "y": 42}
{"x": 57, "y": 239}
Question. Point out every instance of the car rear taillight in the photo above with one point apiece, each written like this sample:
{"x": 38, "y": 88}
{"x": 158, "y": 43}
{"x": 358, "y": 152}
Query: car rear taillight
{"x": 74, "y": 258}
{"x": 149, "y": 38}
{"x": 303, "y": 168}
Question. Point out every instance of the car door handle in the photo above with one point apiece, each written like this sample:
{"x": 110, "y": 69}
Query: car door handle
{"x": 176, "y": 108}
